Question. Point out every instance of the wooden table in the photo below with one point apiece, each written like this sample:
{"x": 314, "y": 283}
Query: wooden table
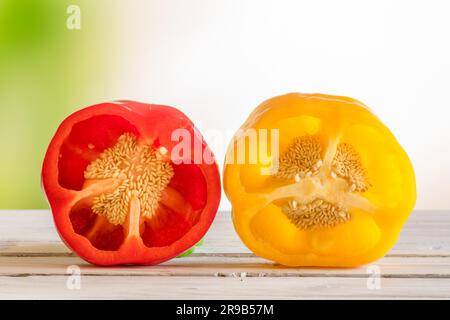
{"x": 35, "y": 264}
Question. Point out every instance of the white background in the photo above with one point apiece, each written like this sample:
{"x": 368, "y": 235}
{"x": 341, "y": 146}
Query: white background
{"x": 218, "y": 59}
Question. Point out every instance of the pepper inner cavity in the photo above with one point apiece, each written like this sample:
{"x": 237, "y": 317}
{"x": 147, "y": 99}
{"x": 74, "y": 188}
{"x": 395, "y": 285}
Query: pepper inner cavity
{"x": 323, "y": 205}
{"x": 143, "y": 174}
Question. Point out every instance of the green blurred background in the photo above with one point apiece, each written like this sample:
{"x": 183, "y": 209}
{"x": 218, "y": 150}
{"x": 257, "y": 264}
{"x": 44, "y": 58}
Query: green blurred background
{"x": 46, "y": 71}
{"x": 226, "y": 56}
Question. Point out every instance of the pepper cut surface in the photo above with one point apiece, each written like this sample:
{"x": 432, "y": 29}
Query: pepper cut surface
{"x": 332, "y": 187}
{"x": 120, "y": 193}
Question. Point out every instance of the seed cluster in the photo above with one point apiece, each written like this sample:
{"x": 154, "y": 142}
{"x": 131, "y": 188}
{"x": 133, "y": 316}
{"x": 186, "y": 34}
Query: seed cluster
{"x": 347, "y": 164}
{"x": 301, "y": 158}
{"x": 140, "y": 168}
{"x": 315, "y": 214}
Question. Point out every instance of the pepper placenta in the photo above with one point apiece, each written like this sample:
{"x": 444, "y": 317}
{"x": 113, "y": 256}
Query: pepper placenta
{"x": 122, "y": 190}
{"x": 331, "y": 187}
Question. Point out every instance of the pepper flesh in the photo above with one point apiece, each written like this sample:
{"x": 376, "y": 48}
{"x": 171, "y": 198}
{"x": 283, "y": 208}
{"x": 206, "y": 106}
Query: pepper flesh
{"x": 118, "y": 193}
{"x": 340, "y": 186}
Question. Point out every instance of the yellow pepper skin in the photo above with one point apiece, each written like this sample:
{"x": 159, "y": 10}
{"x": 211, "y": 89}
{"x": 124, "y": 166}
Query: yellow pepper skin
{"x": 336, "y": 193}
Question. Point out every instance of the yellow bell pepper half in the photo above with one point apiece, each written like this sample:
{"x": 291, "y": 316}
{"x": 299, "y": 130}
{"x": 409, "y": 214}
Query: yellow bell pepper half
{"x": 318, "y": 180}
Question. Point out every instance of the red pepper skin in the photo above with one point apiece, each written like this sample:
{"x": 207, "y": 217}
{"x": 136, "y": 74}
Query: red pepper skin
{"x": 153, "y": 124}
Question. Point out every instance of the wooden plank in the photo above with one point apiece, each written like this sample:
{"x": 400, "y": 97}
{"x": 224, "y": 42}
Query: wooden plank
{"x": 32, "y": 232}
{"x": 213, "y": 266}
{"x": 166, "y": 287}
{"x": 34, "y": 262}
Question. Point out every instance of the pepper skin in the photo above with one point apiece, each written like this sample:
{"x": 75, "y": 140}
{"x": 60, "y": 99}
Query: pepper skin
{"x": 336, "y": 191}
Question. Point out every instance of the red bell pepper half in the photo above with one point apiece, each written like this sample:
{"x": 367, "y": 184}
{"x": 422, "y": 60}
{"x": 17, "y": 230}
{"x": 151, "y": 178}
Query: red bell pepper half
{"x": 122, "y": 191}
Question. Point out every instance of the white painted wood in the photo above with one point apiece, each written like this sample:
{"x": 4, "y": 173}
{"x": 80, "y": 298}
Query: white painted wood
{"x": 166, "y": 287}
{"x": 32, "y": 231}
{"x": 219, "y": 266}
{"x": 34, "y": 262}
